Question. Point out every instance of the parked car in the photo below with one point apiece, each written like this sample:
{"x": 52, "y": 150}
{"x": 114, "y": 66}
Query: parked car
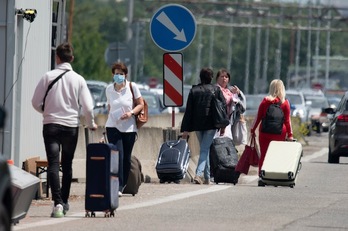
{"x": 97, "y": 89}
{"x": 333, "y": 101}
{"x": 252, "y": 104}
{"x": 338, "y": 136}
{"x": 153, "y": 102}
{"x": 5, "y": 187}
{"x": 318, "y": 117}
{"x": 298, "y": 105}
{"x": 159, "y": 91}
{"x": 312, "y": 92}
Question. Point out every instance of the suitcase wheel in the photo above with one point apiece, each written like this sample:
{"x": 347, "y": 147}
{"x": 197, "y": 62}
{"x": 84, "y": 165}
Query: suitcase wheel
{"x": 90, "y": 214}
{"x": 109, "y": 213}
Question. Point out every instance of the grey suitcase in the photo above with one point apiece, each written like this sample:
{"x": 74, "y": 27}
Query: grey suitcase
{"x": 282, "y": 163}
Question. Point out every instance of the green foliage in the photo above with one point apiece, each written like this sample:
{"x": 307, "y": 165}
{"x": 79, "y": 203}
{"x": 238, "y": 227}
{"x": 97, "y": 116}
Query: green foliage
{"x": 299, "y": 130}
{"x": 95, "y": 25}
{"x": 98, "y": 23}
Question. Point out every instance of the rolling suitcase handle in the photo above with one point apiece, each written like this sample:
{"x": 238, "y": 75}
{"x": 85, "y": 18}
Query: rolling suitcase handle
{"x": 180, "y": 137}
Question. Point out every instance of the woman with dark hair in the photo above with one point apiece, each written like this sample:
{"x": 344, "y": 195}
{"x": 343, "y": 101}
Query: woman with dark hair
{"x": 235, "y": 99}
{"x": 121, "y": 128}
{"x": 198, "y": 118}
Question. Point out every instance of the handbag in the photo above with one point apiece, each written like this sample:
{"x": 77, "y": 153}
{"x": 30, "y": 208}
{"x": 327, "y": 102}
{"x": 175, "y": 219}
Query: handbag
{"x": 249, "y": 157}
{"x": 239, "y": 130}
{"x": 142, "y": 117}
{"x": 219, "y": 111}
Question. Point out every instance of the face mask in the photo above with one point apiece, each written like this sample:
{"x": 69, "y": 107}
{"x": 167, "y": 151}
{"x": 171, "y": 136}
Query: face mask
{"x": 119, "y": 79}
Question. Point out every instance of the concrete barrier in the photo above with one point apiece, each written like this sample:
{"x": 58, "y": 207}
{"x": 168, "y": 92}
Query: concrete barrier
{"x": 146, "y": 148}
{"x": 150, "y": 138}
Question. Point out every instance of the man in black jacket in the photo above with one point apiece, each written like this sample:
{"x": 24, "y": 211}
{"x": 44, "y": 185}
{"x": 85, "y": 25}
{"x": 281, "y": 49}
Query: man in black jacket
{"x": 198, "y": 118}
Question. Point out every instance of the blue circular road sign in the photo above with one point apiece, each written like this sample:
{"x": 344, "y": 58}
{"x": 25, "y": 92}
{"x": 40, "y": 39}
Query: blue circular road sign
{"x": 173, "y": 27}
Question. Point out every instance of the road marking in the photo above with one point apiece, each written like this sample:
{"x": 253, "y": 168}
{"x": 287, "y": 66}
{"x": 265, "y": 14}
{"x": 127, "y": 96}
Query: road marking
{"x": 315, "y": 155}
{"x": 49, "y": 221}
{"x": 81, "y": 215}
{"x": 214, "y": 188}
{"x": 181, "y": 196}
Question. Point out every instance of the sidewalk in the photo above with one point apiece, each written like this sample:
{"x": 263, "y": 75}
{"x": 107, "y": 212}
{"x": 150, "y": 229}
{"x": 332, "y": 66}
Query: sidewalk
{"x": 40, "y": 210}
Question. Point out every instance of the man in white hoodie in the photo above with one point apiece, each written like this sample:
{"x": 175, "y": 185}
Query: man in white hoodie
{"x": 59, "y": 102}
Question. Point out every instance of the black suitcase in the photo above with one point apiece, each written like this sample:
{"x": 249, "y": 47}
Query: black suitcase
{"x": 135, "y": 177}
{"x": 223, "y": 158}
{"x": 102, "y": 183}
{"x": 173, "y": 161}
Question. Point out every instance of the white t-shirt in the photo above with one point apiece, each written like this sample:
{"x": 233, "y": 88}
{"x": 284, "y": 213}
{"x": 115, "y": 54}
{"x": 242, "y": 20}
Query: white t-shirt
{"x": 120, "y": 103}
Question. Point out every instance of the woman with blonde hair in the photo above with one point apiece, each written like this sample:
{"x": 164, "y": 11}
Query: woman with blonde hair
{"x": 276, "y": 96}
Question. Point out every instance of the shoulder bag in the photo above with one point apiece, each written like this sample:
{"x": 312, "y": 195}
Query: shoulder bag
{"x": 238, "y": 126}
{"x": 218, "y": 110}
{"x": 50, "y": 86}
{"x": 142, "y": 117}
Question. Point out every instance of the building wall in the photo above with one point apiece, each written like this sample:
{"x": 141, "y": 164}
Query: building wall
{"x": 32, "y": 60}
{"x": 3, "y": 7}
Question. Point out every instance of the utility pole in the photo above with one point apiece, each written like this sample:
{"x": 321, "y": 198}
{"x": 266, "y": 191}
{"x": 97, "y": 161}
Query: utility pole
{"x": 129, "y": 20}
{"x": 247, "y": 62}
{"x": 71, "y": 16}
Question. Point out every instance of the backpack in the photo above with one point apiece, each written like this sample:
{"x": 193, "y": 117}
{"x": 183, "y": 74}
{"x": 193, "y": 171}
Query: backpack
{"x": 135, "y": 177}
{"x": 274, "y": 119}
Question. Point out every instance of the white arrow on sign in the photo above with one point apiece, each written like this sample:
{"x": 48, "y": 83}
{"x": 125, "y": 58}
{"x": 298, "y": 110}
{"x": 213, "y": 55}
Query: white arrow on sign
{"x": 165, "y": 20}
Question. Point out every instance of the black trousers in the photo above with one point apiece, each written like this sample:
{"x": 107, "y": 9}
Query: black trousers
{"x": 59, "y": 138}
{"x": 124, "y": 142}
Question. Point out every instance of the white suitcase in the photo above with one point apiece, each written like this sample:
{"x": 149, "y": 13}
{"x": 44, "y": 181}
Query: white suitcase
{"x": 282, "y": 163}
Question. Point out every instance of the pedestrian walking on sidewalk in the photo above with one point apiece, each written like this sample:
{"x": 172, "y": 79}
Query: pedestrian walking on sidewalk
{"x": 121, "y": 128}
{"x": 59, "y": 102}
{"x": 276, "y": 96}
{"x": 235, "y": 99}
{"x": 198, "y": 118}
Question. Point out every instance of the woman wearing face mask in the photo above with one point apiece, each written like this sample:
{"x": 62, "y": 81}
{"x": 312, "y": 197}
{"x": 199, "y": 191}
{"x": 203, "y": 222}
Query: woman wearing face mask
{"x": 121, "y": 128}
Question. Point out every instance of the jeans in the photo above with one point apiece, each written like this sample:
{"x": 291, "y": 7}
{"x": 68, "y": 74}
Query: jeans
{"x": 124, "y": 142}
{"x": 59, "y": 138}
{"x": 205, "y": 139}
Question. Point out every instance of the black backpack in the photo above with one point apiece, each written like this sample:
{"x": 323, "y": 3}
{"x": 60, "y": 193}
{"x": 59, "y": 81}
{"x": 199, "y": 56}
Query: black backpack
{"x": 274, "y": 119}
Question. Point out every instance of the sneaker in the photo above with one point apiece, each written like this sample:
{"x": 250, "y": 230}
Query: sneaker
{"x": 65, "y": 207}
{"x": 57, "y": 211}
{"x": 206, "y": 181}
{"x": 120, "y": 194}
{"x": 197, "y": 180}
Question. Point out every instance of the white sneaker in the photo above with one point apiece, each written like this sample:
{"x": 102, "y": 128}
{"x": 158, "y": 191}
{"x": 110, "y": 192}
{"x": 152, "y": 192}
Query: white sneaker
{"x": 120, "y": 194}
{"x": 57, "y": 211}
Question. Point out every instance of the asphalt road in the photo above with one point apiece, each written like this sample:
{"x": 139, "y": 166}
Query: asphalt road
{"x": 317, "y": 202}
